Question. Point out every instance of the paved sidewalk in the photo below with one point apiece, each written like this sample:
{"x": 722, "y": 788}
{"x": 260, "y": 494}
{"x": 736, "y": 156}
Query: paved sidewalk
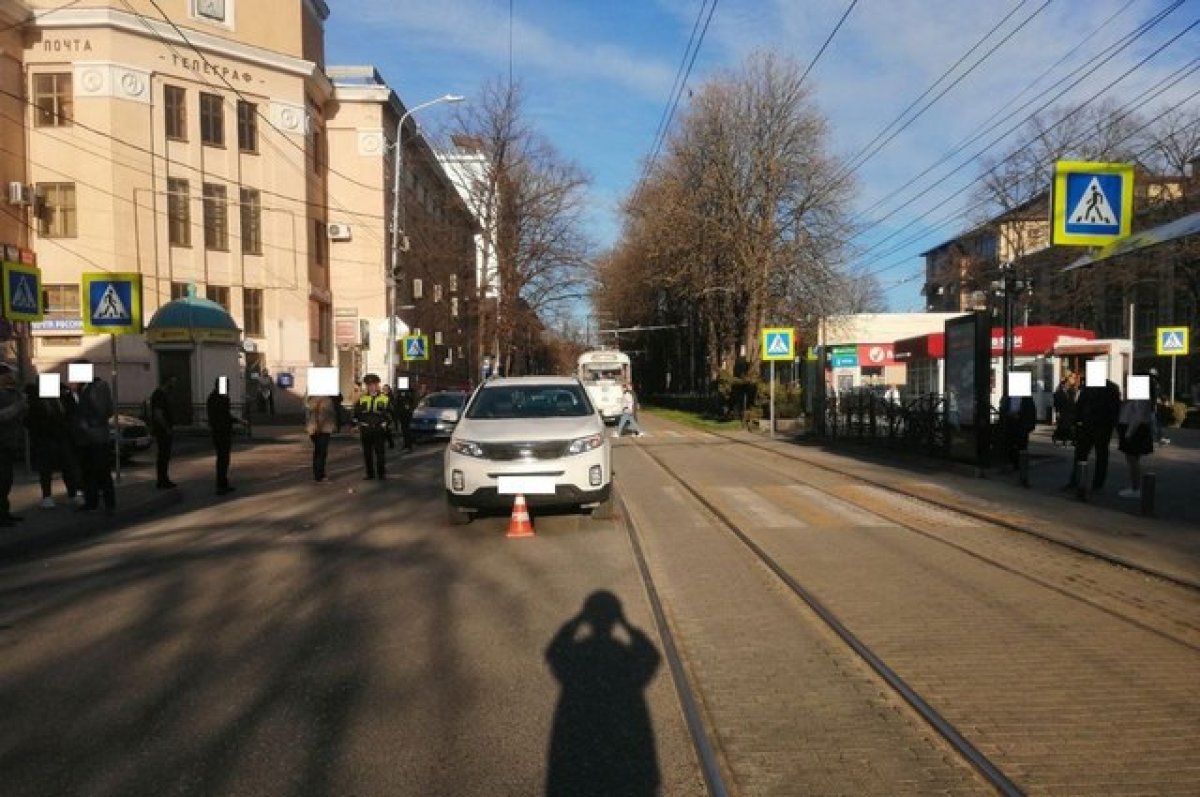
{"x": 1167, "y": 544}
{"x": 275, "y": 452}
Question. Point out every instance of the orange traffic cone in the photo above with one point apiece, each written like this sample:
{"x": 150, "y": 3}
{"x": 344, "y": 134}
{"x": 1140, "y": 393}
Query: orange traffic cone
{"x": 518, "y": 524}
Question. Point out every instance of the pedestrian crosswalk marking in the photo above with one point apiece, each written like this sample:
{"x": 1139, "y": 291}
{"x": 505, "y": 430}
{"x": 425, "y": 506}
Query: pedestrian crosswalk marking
{"x": 110, "y": 307}
{"x": 909, "y": 509}
{"x": 762, "y": 513}
{"x": 1093, "y": 207}
{"x": 23, "y": 299}
{"x": 820, "y": 500}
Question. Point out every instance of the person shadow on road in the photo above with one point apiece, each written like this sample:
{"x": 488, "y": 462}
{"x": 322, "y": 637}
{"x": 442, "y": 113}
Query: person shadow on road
{"x": 602, "y": 741}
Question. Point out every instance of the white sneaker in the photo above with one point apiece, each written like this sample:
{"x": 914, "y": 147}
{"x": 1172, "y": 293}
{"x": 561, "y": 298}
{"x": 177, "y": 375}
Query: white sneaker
{"x": 1129, "y": 492}
{"x": 47, "y": 503}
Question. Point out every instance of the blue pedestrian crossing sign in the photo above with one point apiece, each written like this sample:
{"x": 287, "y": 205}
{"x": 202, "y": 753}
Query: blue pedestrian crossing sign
{"x": 1172, "y": 341}
{"x": 778, "y": 343}
{"x": 22, "y": 292}
{"x": 114, "y": 304}
{"x": 1092, "y": 203}
{"x": 415, "y": 347}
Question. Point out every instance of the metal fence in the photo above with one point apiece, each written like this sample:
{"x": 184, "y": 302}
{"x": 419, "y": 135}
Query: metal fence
{"x": 919, "y": 423}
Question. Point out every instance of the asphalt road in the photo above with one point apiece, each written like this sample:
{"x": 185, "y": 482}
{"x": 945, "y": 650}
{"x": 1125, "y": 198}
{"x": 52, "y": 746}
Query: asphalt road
{"x": 334, "y": 639}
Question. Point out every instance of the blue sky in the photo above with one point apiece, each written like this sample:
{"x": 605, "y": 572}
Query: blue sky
{"x": 598, "y": 74}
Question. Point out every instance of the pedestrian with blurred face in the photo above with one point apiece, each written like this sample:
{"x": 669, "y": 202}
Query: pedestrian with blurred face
{"x": 220, "y": 422}
{"x": 13, "y": 407}
{"x": 49, "y": 445}
{"x": 321, "y": 421}
{"x": 93, "y": 441}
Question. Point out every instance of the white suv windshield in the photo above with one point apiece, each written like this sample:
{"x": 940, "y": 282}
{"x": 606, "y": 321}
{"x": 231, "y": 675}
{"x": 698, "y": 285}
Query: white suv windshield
{"x": 531, "y": 401}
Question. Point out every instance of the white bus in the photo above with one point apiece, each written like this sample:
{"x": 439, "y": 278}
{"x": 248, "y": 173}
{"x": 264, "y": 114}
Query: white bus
{"x": 604, "y": 373}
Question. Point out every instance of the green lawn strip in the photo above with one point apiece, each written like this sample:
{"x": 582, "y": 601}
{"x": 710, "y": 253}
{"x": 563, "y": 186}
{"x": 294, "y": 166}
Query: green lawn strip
{"x": 691, "y": 419}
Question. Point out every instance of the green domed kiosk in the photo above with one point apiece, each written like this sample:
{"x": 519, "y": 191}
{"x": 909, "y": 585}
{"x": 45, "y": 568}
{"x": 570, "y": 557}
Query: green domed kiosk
{"x": 196, "y": 340}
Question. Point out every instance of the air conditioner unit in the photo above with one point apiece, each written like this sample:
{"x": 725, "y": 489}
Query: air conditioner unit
{"x": 338, "y": 232}
{"x": 20, "y": 194}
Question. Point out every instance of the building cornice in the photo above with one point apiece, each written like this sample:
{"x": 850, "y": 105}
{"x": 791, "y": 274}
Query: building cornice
{"x": 318, "y": 8}
{"x": 123, "y": 21}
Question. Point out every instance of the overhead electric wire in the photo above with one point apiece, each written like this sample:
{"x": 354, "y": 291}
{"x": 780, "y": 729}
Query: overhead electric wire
{"x": 829, "y": 39}
{"x": 987, "y": 126}
{"x": 677, "y": 88}
{"x": 1019, "y": 124}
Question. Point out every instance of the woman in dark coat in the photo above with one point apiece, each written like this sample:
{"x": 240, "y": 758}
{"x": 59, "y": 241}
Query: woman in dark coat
{"x": 1064, "y": 410}
{"x": 50, "y": 445}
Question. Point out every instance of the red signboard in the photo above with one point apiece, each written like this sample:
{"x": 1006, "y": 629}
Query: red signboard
{"x": 870, "y": 354}
{"x": 1032, "y": 341}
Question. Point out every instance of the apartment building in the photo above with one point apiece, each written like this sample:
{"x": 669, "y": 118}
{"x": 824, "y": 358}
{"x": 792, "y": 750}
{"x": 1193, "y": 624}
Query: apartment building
{"x": 433, "y": 287}
{"x": 191, "y": 150}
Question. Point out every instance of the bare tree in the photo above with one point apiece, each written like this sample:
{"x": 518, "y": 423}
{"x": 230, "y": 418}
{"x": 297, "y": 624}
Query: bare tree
{"x": 529, "y": 202}
{"x": 742, "y": 224}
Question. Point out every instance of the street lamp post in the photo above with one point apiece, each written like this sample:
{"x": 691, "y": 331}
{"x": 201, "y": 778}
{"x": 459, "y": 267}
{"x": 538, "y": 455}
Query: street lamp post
{"x": 398, "y": 240}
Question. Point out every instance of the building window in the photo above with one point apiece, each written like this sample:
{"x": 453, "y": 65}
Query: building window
{"x": 216, "y": 218}
{"x": 252, "y": 312}
{"x": 418, "y": 289}
{"x": 53, "y": 101}
{"x": 453, "y": 283}
{"x": 251, "y": 211}
{"x": 212, "y": 120}
{"x": 454, "y": 306}
{"x": 437, "y": 338}
{"x": 218, "y": 294}
{"x": 437, "y": 292}
{"x": 175, "y": 112}
{"x": 57, "y": 211}
{"x": 61, "y": 301}
{"x": 179, "y": 290}
{"x": 179, "y": 212}
{"x": 247, "y": 113}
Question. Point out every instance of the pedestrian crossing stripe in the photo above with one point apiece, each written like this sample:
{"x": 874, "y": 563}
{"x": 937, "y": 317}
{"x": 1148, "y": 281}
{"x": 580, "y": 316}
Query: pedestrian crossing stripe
{"x": 1092, "y": 203}
{"x": 778, "y": 343}
{"x": 1172, "y": 341}
{"x": 416, "y": 347}
{"x": 113, "y": 303}
{"x": 22, "y": 292}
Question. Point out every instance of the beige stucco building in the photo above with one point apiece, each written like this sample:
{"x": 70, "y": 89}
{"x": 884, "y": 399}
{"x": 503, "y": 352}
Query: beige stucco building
{"x": 435, "y": 264}
{"x": 190, "y": 150}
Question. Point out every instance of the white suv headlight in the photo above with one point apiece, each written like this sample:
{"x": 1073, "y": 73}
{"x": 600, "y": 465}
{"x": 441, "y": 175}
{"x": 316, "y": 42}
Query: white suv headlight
{"x": 585, "y": 444}
{"x": 466, "y": 448}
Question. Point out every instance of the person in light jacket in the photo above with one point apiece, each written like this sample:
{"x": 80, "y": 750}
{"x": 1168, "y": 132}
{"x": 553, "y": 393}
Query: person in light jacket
{"x": 1135, "y": 439}
{"x": 321, "y": 421}
{"x": 628, "y": 413}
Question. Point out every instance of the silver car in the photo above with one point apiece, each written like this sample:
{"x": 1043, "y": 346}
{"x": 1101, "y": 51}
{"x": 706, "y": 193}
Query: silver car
{"x": 437, "y": 414}
{"x": 538, "y": 436}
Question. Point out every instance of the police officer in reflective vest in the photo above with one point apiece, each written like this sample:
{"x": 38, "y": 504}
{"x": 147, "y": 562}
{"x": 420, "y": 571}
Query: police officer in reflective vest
{"x": 373, "y": 414}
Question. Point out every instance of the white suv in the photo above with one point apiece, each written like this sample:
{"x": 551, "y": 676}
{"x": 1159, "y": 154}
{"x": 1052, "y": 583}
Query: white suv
{"x": 539, "y": 436}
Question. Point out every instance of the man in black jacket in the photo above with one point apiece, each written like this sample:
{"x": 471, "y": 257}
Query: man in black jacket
{"x": 1096, "y": 414}
{"x": 162, "y": 426}
{"x": 220, "y": 422}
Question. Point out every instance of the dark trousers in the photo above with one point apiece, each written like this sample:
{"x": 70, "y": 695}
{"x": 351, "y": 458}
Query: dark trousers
{"x": 222, "y": 444}
{"x": 1087, "y": 438}
{"x": 374, "y": 453}
{"x": 8, "y": 458}
{"x": 406, "y": 430}
{"x": 320, "y": 454}
{"x": 97, "y": 475}
{"x": 162, "y": 460}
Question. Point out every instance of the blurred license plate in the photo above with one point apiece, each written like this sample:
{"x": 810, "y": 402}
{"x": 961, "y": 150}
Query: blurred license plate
{"x": 527, "y": 485}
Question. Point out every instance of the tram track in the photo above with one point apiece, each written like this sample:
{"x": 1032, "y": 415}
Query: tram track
{"x": 981, "y": 761}
{"x": 979, "y": 515}
{"x": 706, "y": 749}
